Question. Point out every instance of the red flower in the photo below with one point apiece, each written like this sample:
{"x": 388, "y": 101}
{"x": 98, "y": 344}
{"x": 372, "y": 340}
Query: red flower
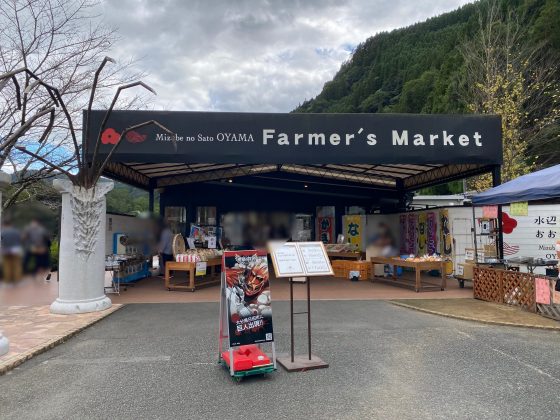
{"x": 135, "y": 137}
{"x": 110, "y": 136}
{"x": 508, "y": 223}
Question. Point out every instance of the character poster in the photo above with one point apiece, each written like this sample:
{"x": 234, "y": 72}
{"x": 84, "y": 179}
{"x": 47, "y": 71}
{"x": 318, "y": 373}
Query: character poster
{"x": 247, "y": 297}
{"x": 325, "y": 229}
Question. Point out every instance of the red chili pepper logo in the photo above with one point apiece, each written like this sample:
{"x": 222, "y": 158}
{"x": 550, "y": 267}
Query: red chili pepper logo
{"x": 135, "y": 137}
{"x": 110, "y": 136}
{"x": 508, "y": 223}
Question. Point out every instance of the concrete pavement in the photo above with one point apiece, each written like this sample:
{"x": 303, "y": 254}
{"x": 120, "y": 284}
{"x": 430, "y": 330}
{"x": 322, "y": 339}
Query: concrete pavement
{"x": 159, "y": 361}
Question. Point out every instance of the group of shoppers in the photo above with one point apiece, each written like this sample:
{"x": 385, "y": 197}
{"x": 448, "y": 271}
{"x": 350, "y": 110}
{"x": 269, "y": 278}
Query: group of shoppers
{"x": 24, "y": 251}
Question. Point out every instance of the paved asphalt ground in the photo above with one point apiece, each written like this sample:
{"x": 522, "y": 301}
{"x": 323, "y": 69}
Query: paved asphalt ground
{"x": 159, "y": 361}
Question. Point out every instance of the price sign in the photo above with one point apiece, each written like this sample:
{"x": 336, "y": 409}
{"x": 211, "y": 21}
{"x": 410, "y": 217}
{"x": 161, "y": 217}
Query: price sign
{"x": 297, "y": 259}
{"x": 286, "y": 260}
{"x": 201, "y": 268}
{"x": 315, "y": 258}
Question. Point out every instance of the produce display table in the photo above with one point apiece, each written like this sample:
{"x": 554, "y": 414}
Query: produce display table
{"x": 347, "y": 255}
{"x": 190, "y": 267}
{"x": 418, "y": 267}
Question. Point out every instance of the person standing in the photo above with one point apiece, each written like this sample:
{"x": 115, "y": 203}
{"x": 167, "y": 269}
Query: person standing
{"x": 12, "y": 252}
{"x": 38, "y": 244}
{"x": 165, "y": 247}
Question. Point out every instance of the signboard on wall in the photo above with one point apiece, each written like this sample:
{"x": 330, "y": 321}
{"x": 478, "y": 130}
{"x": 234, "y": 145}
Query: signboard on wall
{"x": 248, "y": 297}
{"x": 534, "y": 235}
{"x": 257, "y": 138}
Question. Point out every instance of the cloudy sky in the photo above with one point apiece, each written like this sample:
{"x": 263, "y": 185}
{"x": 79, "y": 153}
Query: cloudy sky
{"x": 242, "y": 55}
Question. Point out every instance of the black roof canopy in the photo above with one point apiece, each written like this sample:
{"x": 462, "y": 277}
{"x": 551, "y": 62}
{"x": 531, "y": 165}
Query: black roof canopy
{"x": 400, "y": 152}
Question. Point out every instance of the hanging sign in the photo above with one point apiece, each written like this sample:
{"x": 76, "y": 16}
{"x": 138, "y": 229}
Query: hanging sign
{"x": 298, "y": 138}
{"x": 422, "y": 234}
{"x": 445, "y": 230}
{"x": 519, "y": 209}
{"x": 325, "y": 229}
{"x": 353, "y": 230}
{"x": 301, "y": 259}
{"x": 490, "y": 212}
{"x": 247, "y": 292}
{"x": 432, "y": 233}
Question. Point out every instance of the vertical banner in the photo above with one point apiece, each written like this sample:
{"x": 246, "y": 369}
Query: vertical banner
{"x": 412, "y": 220}
{"x": 325, "y": 230}
{"x": 422, "y": 238}
{"x": 445, "y": 229}
{"x": 403, "y": 234}
{"x": 247, "y": 297}
{"x": 432, "y": 233}
{"x": 353, "y": 228}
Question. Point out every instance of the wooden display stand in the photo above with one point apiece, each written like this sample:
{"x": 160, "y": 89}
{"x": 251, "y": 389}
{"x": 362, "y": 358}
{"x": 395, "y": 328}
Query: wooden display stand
{"x": 358, "y": 256}
{"x": 418, "y": 267}
{"x": 190, "y": 267}
{"x": 301, "y": 259}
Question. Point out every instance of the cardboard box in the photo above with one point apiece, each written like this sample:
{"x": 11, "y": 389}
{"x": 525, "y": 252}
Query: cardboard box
{"x": 489, "y": 250}
{"x": 465, "y": 271}
{"x": 469, "y": 255}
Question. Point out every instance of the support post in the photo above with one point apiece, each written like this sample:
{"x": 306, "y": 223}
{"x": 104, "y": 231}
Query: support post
{"x": 302, "y": 363}
{"x": 4, "y": 182}
{"x": 151, "y": 200}
{"x": 497, "y": 180}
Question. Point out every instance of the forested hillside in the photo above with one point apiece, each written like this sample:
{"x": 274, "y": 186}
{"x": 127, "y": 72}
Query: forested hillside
{"x": 423, "y": 69}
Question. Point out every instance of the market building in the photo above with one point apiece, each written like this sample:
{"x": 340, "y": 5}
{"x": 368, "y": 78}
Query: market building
{"x": 322, "y": 176}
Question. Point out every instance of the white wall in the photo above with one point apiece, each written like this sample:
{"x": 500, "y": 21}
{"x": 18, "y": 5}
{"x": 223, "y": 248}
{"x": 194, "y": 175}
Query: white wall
{"x": 116, "y": 223}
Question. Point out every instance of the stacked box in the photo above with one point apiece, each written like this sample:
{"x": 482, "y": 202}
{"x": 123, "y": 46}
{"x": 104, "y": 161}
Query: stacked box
{"x": 364, "y": 267}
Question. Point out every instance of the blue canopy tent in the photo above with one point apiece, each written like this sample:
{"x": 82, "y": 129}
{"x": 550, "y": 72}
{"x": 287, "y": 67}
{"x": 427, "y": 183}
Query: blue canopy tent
{"x": 540, "y": 185}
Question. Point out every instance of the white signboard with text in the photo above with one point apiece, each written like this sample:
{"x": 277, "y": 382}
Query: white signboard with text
{"x": 297, "y": 259}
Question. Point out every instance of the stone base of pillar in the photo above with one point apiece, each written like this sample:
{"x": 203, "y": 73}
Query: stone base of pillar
{"x": 4, "y": 345}
{"x": 67, "y": 307}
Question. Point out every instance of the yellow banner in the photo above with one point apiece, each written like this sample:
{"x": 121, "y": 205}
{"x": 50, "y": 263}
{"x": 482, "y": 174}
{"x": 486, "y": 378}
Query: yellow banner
{"x": 353, "y": 230}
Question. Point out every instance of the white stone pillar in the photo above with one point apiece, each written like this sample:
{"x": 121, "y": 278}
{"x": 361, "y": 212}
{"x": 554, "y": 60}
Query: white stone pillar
{"x": 81, "y": 266}
{"x": 4, "y": 182}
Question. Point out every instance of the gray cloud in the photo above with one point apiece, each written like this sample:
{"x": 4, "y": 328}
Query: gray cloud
{"x": 268, "y": 56}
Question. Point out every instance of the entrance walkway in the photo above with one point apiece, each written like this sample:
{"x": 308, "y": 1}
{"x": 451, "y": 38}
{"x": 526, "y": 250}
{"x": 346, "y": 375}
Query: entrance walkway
{"x": 152, "y": 290}
{"x": 159, "y": 361}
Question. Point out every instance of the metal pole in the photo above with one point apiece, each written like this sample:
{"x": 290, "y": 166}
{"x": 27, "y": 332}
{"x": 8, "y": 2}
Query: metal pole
{"x": 497, "y": 180}
{"x": 292, "y": 318}
{"x": 474, "y": 236}
{"x": 309, "y": 317}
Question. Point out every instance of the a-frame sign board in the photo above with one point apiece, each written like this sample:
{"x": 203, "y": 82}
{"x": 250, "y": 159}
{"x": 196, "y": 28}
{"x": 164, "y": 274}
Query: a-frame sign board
{"x": 245, "y": 314}
{"x": 300, "y": 259}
